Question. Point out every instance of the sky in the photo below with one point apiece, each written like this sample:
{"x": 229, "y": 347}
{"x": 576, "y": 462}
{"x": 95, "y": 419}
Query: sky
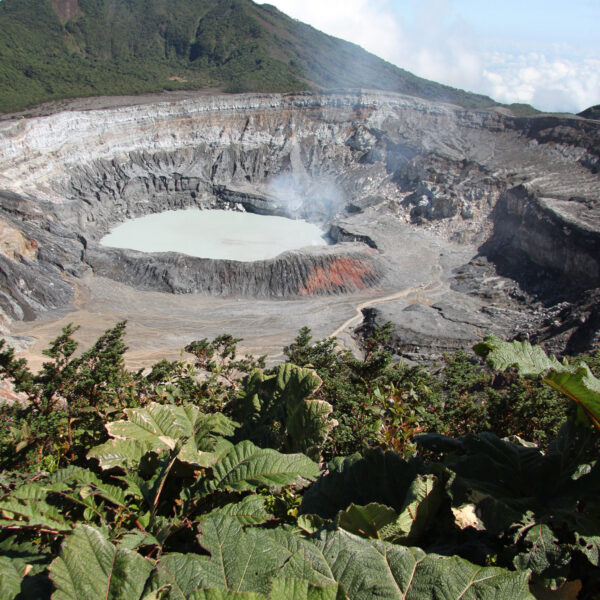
{"x": 540, "y": 52}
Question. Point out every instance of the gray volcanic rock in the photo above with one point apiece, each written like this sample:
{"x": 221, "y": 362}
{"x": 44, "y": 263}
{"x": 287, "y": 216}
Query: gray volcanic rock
{"x": 549, "y": 234}
{"x": 387, "y": 175}
{"x": 421, "y": 332}
{"x": 340, "y": 269}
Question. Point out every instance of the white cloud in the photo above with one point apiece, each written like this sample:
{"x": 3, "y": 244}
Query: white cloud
{"x": 438, "y": 46}
{"x": 547, "y": 82}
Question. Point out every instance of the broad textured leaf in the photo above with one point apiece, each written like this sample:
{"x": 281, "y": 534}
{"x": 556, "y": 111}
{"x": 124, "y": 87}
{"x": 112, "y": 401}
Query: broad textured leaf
{"x": 589, "y": 546}
{"x": 89, "y": 566}
{"x": 502, "y": 469}
{"x": 183, "y": 573}
{"x": 240, "y": 561}
{"x": 574, "y": 381}
{"x": 167, "y": 423}
{"x": 285, "y": 397}
{"x": 27, "y": 506}
{"x": 300, "y": 589}
{"x": 582, "y": 387}
{"x": 21, "y": 566}
{"x": 308, "y": 425}
{"x": 529, "y": 360}
{"x": 377, "y": 521}
{"x": 246, "y": 467}
{"x": 160, "y": 594}
{"x": 382, "y": 477}
{"x": 421, "y": 504}
{"x": 296, "y": 382}
{"x": 311, "y": 523}
{"x": 12, "y": 572}
{"x": 223, "y": 594}
{"x": 120, "y": 453}
{"x": 249, "y": 511}
{"x": 283, "y": 589}
{"x": 137, "y": 539}
{"x": 367, "y": 521}
{"x": 158, "y": 428}
{"x": 243, "y": 561}
{"x": 370, "y": 568}
{"x": 85, "y": 483}
{"x": 543, "y": 551}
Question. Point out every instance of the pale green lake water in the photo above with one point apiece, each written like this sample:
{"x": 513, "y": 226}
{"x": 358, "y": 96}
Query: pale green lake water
{"x": 215, "y": 234}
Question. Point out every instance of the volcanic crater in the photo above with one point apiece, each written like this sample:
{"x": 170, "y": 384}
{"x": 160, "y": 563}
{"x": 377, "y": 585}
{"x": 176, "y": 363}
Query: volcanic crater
{"x": 451, "y": 223}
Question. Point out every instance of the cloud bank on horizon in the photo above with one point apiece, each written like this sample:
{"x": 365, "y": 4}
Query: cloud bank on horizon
{"x": 539, "y": 53}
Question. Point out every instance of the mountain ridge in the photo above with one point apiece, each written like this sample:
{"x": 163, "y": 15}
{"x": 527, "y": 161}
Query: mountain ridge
{"x": 53, "y": 49}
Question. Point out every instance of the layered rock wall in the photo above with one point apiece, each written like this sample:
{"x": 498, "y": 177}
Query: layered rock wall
{"x": 526, "y": 226}
{"x": 335, "y": 270}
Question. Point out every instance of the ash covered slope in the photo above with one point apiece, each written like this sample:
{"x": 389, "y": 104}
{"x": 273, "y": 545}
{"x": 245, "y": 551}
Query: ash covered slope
{"x": 53, "y": 49}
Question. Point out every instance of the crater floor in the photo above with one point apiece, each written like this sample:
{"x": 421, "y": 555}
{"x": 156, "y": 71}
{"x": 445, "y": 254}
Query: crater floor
{"x": 160, "y": 324}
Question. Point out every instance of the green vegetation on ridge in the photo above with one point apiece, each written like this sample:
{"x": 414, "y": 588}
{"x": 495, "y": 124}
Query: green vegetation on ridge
{"x": 331, "y": 478}
{"x": 116, "y": 47}
{"x": 593, "y": 112}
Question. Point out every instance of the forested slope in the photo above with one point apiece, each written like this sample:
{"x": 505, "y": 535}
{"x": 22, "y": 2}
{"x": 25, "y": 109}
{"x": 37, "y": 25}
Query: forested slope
{"x": 64, "y": 48}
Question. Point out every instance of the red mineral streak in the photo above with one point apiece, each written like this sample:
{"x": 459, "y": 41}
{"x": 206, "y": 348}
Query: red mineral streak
{"x": 345, "y": 273}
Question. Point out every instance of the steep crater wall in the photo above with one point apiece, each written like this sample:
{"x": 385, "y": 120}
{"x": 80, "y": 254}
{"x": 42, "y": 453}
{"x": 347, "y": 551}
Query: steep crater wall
{"x": 531, "y": 232}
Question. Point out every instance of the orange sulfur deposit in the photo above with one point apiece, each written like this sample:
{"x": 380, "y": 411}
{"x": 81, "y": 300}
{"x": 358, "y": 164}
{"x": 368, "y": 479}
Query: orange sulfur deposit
{"x": 343, "y": 273}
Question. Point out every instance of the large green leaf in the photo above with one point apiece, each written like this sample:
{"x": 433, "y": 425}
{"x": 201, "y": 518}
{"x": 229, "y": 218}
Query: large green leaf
{"x": 223, "y": 594}
{"x": 84, "y": 484}
{"x": 249, "y": 511}
{"x": 300, "y": 589}
{"x": 30, "y": 505}
{"x": 506, "y": 478}
{"x": 21, "y": 566}
{"x": 12, "y": 572}
{"x": 377, "y": 521}
{"x": 121, "y": 453}
{"x": 246, "y": 467}
{"x": 158, "y": 428}
{"x": 240, "y": 561}
{"x": 530, "y": 360}
{"x": 27, "y": 506}
{"x": 284, "y": 398}
{"x": 383, "y": 477}
{"x": 371, "y": 568}
{"x": 307, "y": 420}
{"x": 367, "y": 521}
{"x": 589, "y": 546}
{"x": 574, "y": 381}
{"x": 420, "y": 507}
{"x": 530, "y": 494}
{"x": 89, "y": 566}
{"x": 581, "y": 387}
{"x": 543, "y": 553}
{"x": 282, "y": 589}
{"x": 245, "y": 561}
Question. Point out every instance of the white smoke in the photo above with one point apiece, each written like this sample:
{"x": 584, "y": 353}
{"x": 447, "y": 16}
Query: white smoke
{"x": 316, "y": 199}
